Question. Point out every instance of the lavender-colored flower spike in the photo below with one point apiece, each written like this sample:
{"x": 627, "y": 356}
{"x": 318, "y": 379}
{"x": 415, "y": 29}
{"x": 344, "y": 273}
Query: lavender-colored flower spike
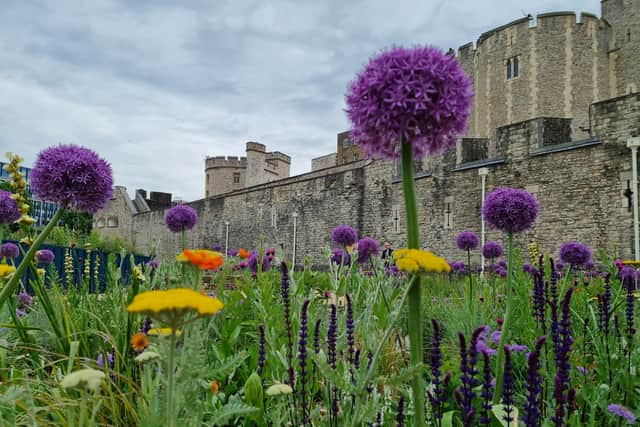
{"x": 367, "y": 247}
{"x": 562, "y": 380}
{"x": 180, "y": 218}
{"x": 400, "y": 414}
{"x": 539, "y": 299}
{"x": 350, "y": 329}
{"x": 487, "y": 391}
{"x": 344, "y": 235}
{"x": 467, "y": 241}
{"x": 622, "y": 412}
{"x": 575, "y": 254}
{"x": 262, "y": 353}
{"x": 492, "y": 250}
{"x": 316, "y": 336}
{"x": 45, "y": 256}
{"x": 533, "y": 403}
{"x": 73, "y": 177}
{"x": 303, "y": 336}
{"x": 510, "y": 210}
{"x": 418, "y": 95}
{"x": 508, "y": 386}
{"x": 9, "y": 250}
{"x": 332, "y": 337}
{"x": 286, "y": 307}
{"x": 437, "y": 396}
{"x": 9, "y": 211}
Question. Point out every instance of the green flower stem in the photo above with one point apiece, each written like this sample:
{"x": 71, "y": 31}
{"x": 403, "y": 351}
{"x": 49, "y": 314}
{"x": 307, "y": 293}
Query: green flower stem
{"x": 171, "y": 377}
{"x": 415, "y": 297}
{"x": 12, "y": 285}
{"x": 505, "y": 323}
{"x": 470, "y": 302}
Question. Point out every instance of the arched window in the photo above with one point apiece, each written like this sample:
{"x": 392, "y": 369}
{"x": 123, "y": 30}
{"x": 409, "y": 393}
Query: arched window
{"x": 100, "y": 223}
{"x": 112, "y": 222}
{"x": 508, "y": 69}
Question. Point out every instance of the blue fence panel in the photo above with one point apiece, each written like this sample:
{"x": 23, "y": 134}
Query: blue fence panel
{"x": 81, "y": 261}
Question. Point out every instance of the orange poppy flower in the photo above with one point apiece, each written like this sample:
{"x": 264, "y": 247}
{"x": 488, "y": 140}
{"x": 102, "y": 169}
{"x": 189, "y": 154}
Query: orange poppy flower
{"x": 243, "y": 253}
{"x": 215, "y": 387}
{"x": 139, "y": 342}
{"x": 202, "y": 258}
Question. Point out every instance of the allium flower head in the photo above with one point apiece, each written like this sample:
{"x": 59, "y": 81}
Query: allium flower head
{"x": 9, "y": 250}
{"x": 510, "y": 210}
{"x": 340, "y": 257}
{"x": 45, "y": 256}
{"x": 420, "y": 95}
{"x": 344, "y": 235}
{"x": 9, "y": 211}
{"x": 367, "y": 247}
{"x": 180, "y": 218}
{"x": 467, "y": 241}
{"x": 492, "y": 250}
{"x": 575, "y": 253}
{"x": 73, "y": 177}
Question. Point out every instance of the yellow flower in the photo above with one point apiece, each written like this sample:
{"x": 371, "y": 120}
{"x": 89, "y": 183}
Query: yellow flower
{"x": 162, "y": 331}
{"x": 26, "y": 220}
{"x": 137, "y": 273}
{"x": 174, "y": 302}
{"x": 27, "y": 241}
{"x": 6, "y": 270}
{"x": 418, "y": 261}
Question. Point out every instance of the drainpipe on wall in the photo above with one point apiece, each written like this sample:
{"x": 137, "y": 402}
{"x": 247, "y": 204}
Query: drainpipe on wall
{"x": 633, "y": 144}
{"x": 226, "y": 238}
{"x": 483, "y": 172}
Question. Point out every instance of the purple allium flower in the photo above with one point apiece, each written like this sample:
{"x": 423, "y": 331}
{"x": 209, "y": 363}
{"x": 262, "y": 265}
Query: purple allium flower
{"x": 24, "y": 300}
{"x": 510, "y": 210}
{"x": 589, "y": 265}
{"x": 45, "y": 256}
{"x": 458, "y": 267}
{"x": 622, "y": 412}
{"x": 529, "y": 268}
{"x": 252, "y": 262}
{"x": 73, "y": 177}
{"x": 418, "y": 95}
{"x": 367, "y": 247}
{"x": 9, "y": 211}
{"x": 217, "y": 247}
{"x": 344, "y": 235}
{"x": 500, "y": 271}
{"x": 303, "y": 335}
{"x": 232, "y": 252}
{"x": 180, "y": 218}
{"x": 492, "y": 250}
{"x": 467, "y": 241}
{"x": 340, "y": 257}
{"x": 574, "y": 253}
{"x": 9, "y": 250}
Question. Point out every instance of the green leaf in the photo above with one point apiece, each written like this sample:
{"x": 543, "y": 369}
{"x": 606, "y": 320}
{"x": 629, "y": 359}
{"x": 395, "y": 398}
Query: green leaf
{"x": 499, "y": 413}
{"x": 447, "y": 419}
{"x": 254, "y": 394}
{"x": 230, "y": 411}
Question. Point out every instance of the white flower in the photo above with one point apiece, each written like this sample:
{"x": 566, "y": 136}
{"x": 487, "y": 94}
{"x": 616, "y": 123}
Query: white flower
{"x": 278, "y": 389}
{"x": 89, "y": 379}
{"x": 147, "y": 356}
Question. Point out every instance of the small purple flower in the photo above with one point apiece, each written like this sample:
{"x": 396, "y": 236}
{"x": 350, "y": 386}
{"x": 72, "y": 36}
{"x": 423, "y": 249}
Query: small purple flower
{"x": 458, "y": 267}
{"x": 340, "y": 257}
{"x": 252, "y": 262}
{"x": 45, "y": 256}
{"x": 9, "y": 250}
{"x": 9, "y": 211}
{"x": 510, "y": 210}
{"x": 418, "y": 95}
{"x": 367, "y": 247}
{"x": 582, "y": 370}
{"x": 492, "y": 250}
{"x": 622, "y": 412}
{"x": 73, "y": 177}
{"x": 467, "y": 241}
{"x": 154, "y": 264}
{"x": 232, "y": 252}
{"x": 20, "y": 313}
{"x": 217, "y": 247}
{"x": 344, "y": 235}
{"x": 518, "y": 348}
{"x": 529, "y": 268}
{"x": 24, "y": 300}
{"x": 495, "y": 336}
{"x": 575, "y": 253}
{"x": 180, "y": 218}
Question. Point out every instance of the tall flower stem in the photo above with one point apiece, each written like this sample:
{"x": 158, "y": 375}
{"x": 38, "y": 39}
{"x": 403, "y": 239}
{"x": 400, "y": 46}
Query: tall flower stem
{"x": 505, "y": 324}
{"x": 12, "y": 285}
{"x": 470, "y": 302}
{"x": 415, "y": 297}
{"x": 171, "y": 377}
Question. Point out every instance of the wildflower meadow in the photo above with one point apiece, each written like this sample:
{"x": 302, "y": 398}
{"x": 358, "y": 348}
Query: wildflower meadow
{"x": 204, "y": 337}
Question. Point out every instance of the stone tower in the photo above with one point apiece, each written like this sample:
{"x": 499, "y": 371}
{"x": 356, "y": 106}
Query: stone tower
{"x": 623, "y": 16}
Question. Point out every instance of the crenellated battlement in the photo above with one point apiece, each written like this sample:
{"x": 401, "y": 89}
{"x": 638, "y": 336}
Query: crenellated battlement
{"x": 225, "y": 162}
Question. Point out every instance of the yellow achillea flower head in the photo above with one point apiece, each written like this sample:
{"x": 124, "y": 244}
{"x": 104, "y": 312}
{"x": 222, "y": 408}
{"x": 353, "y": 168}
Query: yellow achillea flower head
{"x": 163, "y": 332}
{"x": 174, "y": 302}
{"x": 6, "y": 270}
{"x": 89, "y": 379}
{"x": 417, "y": 261}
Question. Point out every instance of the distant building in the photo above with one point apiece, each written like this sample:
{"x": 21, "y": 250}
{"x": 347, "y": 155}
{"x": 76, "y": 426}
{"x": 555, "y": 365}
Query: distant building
{"x": 347, "y": 151}
{"x": 42, "y": 211}
{"x": 230, "y": 173}
{"x": 323, "y": 162}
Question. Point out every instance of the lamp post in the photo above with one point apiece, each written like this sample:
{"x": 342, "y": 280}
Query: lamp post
{"x": 226, "y": 238}
{"x": 633, "y": 144}
{"x": 295, "y": 229}
{"x": 483, "y": 172}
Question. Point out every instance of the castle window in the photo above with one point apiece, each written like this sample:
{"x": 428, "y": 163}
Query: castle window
{"x": 508, "y": 69}
{"x": 355, "y": 157}
{"x": 112, "y": 222}
{"x": 236, "y": 177}
{"x": 513, "y": 68}
{"x": 344, "y": 159}
{"x": 345, "y": 143}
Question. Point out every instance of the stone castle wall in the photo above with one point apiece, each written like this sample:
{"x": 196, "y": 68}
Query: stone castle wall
{"x": 624, "y": 19}
{"x": 579, "y": 185}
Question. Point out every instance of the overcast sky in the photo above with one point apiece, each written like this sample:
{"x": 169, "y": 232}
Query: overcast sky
{"x": 154, "y": 86}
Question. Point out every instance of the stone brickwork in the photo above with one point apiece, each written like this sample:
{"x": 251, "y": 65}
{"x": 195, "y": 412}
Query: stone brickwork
{"x": 323, "y": 162}
{"x": 579, "y": 184}
{"x": 623, "y": 16}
